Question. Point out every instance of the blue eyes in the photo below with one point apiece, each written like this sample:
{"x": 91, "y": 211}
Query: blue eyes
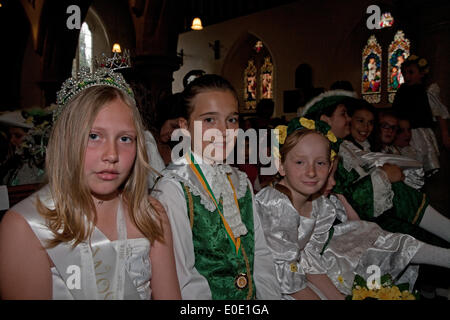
{"x": 212, "y": 120}
{"x": 125, "y": 139}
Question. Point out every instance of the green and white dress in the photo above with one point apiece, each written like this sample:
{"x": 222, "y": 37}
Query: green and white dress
{"x": 219, "y": 245}
{"x": 397, "y": 207}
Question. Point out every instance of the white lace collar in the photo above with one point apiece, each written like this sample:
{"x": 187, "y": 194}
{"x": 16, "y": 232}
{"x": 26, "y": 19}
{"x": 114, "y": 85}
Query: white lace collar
{"x": 216, "y": 176}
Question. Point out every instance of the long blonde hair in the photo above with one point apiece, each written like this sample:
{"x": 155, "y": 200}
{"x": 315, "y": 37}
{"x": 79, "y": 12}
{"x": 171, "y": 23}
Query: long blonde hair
{"x": 74, "y": 216}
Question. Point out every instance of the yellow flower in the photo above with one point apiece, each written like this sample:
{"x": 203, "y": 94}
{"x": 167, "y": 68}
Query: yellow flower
{"x": 406, "y": 295}
{"x": 281, "y": 133}
{"x": 309, "y": 124}
{"x": 331, "y": 136}
{"x": 333, "y": 155}
{"x": 293, "y": 267}
{"x": 384, "y": 293}
{"x": 340, "y": 279}
{"x": 422, "y": 63}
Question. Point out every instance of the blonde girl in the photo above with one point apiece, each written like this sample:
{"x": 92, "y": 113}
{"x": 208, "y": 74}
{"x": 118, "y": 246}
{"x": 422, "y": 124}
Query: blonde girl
{"x": 92, "y": 232}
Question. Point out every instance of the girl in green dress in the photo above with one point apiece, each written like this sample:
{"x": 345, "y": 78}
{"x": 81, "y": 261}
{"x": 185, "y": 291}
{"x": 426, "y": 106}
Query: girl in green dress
{"x": 377, "y": 192}
{"x": 219, "y": 245}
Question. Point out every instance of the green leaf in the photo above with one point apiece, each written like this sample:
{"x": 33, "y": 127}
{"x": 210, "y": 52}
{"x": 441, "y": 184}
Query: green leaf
{"x": 386, "y": 280}
{"x": 359, "y": 281}
{"x": 402, "y": 287}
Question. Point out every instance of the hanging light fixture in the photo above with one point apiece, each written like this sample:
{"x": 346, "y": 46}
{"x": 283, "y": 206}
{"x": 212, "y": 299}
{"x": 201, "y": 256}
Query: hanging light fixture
{"x": 116, "y": 48}
{"x": 196, "y": 24}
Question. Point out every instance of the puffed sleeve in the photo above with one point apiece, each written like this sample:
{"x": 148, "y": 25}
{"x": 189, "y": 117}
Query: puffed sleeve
{"x": 370, "y": 191}
{"x": 267, "y": 286}
{"x": 280, "y": 229}
{"x": 437, "y": 107}
{"x": 324, "y": 213}
{"x": 192, "y": 284}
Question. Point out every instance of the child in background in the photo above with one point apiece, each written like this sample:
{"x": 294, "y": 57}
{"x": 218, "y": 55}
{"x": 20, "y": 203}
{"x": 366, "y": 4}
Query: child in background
{"x": 422, "y": 106}
{"x": 372, "y": 182}
{"x": 92, "y": 232}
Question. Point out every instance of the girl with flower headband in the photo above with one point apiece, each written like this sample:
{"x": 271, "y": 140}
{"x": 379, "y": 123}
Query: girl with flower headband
{"x": 219, "y": 244}
{"x": 375, "y": 183}
{"x": 318, "y": 243}
{"x": 422, "y": 107}
{"x": 92, "y": 232}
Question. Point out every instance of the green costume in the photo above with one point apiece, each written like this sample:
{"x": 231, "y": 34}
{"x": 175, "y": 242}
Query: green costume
{"x": 215, "y": 253}
{"x": 403, "y": 215}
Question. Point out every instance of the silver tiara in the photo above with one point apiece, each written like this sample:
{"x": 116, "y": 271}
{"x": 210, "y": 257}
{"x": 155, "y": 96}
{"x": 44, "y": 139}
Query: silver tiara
{"x": 85, "y": 79}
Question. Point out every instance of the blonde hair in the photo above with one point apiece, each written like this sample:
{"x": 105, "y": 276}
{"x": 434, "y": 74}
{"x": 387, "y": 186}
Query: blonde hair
{"x": 74, "y": 215}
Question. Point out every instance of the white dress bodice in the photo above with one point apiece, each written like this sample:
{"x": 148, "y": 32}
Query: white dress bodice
{"x": 137, "y": 264}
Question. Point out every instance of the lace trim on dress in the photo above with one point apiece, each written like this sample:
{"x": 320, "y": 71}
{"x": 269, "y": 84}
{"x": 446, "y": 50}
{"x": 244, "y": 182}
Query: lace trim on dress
{"x": 204, "y": 199}
{"x": 217, "y": 178}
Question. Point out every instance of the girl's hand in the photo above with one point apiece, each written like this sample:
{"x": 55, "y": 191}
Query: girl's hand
{"x": 394, "y": 172}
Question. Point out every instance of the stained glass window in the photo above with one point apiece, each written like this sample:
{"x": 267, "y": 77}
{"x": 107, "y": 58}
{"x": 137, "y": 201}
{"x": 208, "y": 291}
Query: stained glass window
{"x": 258, "y": 46}
{"x": 387, "y": 20}
{"x": 257, "y": 75}
{"x": 266, "y": 79}
{"x": 250, "y": 86}
{"x": 398, "y": 51}
{"x": 371, "y": 71}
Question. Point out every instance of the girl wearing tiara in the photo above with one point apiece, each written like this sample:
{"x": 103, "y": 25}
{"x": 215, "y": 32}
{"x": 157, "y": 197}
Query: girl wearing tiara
{"x": 92, "y": 232}
{"x": 317, "y": 256}
{"x": 219, "y": 245}
{"x": 380, "y": 187}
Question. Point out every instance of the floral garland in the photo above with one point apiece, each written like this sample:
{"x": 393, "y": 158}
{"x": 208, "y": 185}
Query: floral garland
{"x": 34, "y": 144}
{"x": 421, "y": 62}
{"x": 282, "y": 131}
{"x": 386, "y": 291}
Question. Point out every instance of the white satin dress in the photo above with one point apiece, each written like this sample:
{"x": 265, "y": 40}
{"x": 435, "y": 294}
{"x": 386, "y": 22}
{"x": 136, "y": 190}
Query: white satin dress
{"x": 297, "y": 244}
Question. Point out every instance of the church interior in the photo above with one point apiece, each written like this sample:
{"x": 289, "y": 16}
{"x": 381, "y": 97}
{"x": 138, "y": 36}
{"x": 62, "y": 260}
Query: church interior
{"x": 287, "y": 51}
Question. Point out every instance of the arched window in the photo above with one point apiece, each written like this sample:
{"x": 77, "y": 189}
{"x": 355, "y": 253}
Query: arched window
{"x": 373, "y": 88}
{"x": 85, "y": 47}
{"x": 83, "y": 56}
{"x": 92, "y": 42}
{"x": 258, "y": 76}
{"x": 397, "y": 53}
{"x": 371, "y": 71}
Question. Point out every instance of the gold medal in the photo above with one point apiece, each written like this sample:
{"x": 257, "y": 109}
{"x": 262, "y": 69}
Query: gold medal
{"x": 241, "y": 281}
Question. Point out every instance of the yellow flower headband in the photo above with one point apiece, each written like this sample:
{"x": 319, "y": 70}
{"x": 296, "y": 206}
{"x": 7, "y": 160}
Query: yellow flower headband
{"x": 421, "y": 62}
{"x": 282, "y": 131}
